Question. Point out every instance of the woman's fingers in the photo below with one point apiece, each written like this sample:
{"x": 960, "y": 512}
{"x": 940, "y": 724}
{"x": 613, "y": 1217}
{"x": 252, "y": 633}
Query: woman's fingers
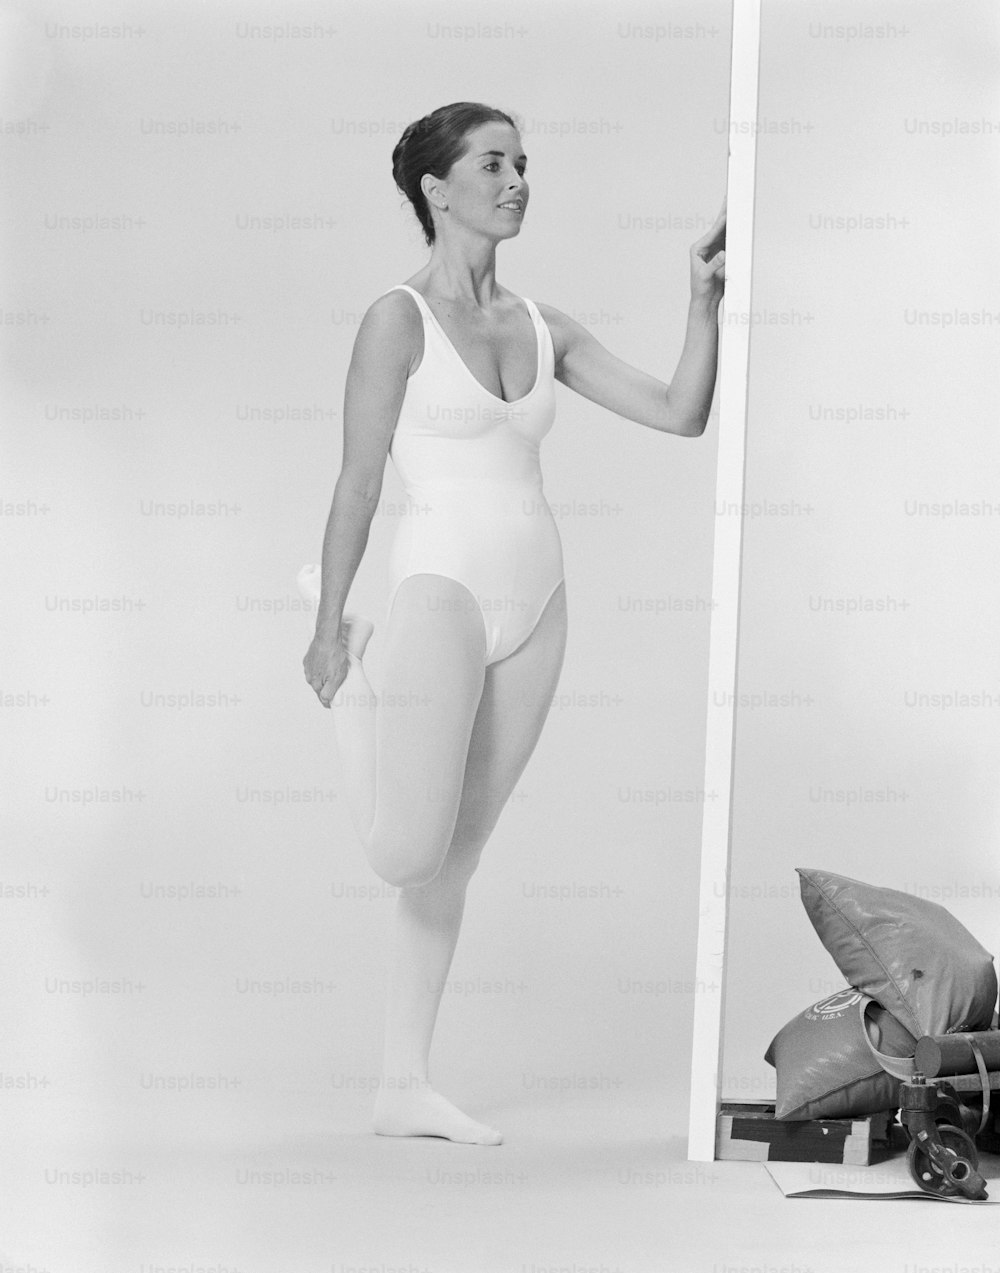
{"x": 324, "y": 670}
{"x": 328, "y": 686}
{"x": 713, "y": 239}
{"x": 320, "y": 684}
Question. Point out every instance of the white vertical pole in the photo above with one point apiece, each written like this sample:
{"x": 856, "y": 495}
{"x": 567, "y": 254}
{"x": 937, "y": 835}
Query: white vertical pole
{"x": 734, "y": 353}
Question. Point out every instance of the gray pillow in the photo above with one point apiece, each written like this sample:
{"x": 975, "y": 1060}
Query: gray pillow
{"x": 910, "y": 955}
{"x": 825, "y": 1067}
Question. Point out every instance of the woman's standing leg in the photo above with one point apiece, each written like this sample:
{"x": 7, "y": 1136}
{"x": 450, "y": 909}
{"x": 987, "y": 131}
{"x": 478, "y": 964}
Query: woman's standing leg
{"x": 513, "y": 706}
{"x": 404, "y": 760}
{"x": 429, "y": 770}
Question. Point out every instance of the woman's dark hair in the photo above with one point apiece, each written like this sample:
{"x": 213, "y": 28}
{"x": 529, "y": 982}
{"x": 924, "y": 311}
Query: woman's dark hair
{"x": 432, "y": 144}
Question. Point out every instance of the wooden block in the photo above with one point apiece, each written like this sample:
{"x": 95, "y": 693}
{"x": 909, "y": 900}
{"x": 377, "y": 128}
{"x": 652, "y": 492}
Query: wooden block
{"x": 748, "y": 1131}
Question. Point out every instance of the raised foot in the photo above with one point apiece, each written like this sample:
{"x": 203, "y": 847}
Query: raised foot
{"x": 355, "y": 631}
{"x": 308, "y": 580}
{"x": 424, "y": 1112}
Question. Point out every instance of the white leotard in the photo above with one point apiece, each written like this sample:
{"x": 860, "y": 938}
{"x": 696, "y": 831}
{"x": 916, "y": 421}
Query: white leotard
{"x": 469, "y": 461}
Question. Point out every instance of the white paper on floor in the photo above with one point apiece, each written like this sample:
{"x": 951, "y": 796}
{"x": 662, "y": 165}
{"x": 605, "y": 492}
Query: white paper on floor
{"x": 889, "y": 1179}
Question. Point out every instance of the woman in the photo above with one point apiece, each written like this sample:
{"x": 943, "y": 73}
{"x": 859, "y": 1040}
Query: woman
{"x": 453, "y": 376}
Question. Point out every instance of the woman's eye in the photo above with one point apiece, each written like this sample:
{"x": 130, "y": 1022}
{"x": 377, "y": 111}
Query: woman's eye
{"x": 495, "y": 164}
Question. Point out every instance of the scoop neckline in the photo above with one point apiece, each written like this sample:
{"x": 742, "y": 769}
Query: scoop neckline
{"x": 422, "y": 300}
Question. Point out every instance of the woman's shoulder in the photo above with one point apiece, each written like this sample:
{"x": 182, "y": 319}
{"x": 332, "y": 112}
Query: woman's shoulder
{"x": 390, "y": 332}
{"x": 562, "y": 328}
{"x": 392, "y": 316}
{"x": 553, "y": 317}
{"x": 396, "y": 302}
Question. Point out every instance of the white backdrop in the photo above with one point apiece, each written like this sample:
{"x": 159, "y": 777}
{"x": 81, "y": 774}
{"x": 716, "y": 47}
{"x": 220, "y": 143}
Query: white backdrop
{"x": 199, "y": 209}
{"x": 867, "y": 734}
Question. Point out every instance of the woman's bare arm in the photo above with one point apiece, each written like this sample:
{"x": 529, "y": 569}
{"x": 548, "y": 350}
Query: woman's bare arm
{"x": 388, "y": 342}
{"x": 682, "y": 406}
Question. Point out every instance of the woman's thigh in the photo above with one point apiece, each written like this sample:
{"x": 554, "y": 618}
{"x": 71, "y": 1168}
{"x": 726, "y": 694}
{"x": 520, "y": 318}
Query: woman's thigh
{"x": 513, "y": 706}
{"x": 432, "y": 682}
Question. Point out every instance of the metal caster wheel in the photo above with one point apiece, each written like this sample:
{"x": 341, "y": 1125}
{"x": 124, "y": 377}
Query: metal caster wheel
{"x": 947, "y": 1171}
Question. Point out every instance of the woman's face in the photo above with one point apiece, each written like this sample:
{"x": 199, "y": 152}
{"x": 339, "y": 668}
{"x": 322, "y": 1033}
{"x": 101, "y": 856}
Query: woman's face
{"x": 485, "y": 190}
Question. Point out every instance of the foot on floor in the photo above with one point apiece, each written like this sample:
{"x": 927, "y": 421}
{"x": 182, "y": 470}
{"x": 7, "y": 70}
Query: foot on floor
{"x": 421, "y": 1111}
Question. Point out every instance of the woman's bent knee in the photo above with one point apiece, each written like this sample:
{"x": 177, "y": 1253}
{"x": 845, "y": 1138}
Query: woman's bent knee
{"x": 407, "y": 875}
{"x": 405, "y": 866}
{"x": 453, "y": 869}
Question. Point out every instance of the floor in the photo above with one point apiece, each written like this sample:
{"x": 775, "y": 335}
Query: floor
{"x": 581, "y": 1185}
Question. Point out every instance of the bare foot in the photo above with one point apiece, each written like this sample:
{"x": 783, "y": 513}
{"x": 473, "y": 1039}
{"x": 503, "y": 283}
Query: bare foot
{"x": 421, "y": 1111}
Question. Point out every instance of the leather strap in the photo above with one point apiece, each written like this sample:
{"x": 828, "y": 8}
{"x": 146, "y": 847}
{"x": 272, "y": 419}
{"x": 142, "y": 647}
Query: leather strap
{"x": 984, "y": 1078}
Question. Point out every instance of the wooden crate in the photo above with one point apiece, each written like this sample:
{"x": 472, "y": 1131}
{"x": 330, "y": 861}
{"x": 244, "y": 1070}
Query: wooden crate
{"x": 748, "y": 1131}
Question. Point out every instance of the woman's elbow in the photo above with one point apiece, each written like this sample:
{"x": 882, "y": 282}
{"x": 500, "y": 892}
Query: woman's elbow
{"x": 686, "y": 426}
{"x": 360, "y": 486}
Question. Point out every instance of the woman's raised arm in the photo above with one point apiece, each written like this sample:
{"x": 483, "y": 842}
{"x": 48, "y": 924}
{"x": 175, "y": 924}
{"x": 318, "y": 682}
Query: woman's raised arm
{"x": 682, "y": 406}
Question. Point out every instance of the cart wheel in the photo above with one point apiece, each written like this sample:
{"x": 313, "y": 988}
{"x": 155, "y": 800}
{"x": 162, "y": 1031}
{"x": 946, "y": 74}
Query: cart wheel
{"x": 929, "y": 1176}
